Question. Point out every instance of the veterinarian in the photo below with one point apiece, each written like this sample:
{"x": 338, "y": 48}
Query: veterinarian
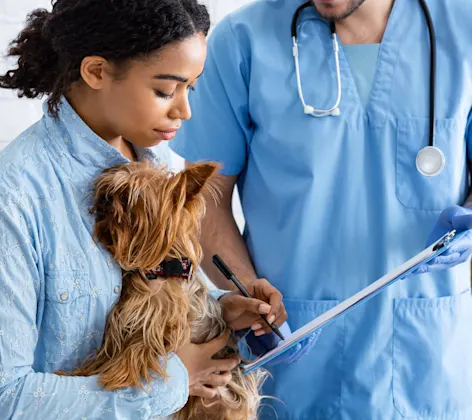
{"x": 117, "y": 75}
{"x": 321, "y": 116}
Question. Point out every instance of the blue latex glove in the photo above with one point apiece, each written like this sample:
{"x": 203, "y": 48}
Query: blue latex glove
{"x": 264, "y": 343}
{"x": 455, "y": 217}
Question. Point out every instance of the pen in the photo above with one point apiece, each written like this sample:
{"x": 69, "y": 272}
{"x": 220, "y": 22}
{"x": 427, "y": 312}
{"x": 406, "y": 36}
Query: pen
{"x": 230, "y": 276}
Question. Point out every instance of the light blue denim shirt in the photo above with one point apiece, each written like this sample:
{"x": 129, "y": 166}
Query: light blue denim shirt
{"x": 57, "y": 284}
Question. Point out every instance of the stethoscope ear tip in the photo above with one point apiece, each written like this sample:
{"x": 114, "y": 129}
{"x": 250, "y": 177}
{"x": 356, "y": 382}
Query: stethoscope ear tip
{"x": 336, "y": 112}
{"x": 307, "y": 109}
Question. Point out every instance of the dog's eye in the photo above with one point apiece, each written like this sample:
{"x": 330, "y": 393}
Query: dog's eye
{"x": 101, "y": 207}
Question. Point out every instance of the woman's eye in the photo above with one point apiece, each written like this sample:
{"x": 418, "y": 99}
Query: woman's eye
{"x": 163, "y": 95}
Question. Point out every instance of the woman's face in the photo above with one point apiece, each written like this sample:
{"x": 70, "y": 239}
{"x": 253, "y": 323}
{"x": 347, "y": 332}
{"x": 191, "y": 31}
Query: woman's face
{"x": 149, "y": 102}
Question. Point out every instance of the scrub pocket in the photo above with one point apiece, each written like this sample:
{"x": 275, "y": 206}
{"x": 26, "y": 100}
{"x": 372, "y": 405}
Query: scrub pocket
{"x": 432, "y": 356}
{"x": 310, "y": 387}
{"x": 66, "y": 316}
{"x": 419, "y": 192}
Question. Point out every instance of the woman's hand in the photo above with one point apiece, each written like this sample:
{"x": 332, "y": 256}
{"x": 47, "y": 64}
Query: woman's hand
{"x": 241, "y": 312}
{"x": 206, "y": 374}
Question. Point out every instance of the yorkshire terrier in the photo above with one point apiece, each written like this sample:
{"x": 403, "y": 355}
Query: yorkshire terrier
{"x": 149, "y": 220}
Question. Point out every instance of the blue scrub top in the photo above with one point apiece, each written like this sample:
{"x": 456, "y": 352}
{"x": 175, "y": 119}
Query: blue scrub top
{"x": 331, "y": 204}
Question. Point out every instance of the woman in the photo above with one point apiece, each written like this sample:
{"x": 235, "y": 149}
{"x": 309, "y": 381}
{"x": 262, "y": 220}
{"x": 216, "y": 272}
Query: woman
{"x": 117, "y": 75}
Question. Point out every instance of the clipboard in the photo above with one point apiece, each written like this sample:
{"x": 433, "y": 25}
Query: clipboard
{"x": 350, "y": 303}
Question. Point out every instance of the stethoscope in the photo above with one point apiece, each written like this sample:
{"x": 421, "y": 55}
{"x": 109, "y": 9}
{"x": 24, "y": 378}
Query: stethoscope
{"x": 430, "y": 160}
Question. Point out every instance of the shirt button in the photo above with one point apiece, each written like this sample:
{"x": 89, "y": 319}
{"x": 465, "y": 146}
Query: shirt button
{"x": 64, "y": 296}
{"x": 117, "y": 289}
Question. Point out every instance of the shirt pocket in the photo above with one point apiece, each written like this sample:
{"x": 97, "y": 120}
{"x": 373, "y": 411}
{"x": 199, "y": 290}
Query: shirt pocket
{"x": 311, "y": 386}
{"x": 66, "y": 318}
{"x": 432, "y": 356}
{"x": 419, "y": 192}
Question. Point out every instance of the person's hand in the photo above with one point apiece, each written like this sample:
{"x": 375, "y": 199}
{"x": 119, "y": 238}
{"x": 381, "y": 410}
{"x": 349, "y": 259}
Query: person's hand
{"x": 241, "y": 312}
{"x": 259, "y": 346}
{"x": 460, "y": 219}
{"x": 206, "y": 374}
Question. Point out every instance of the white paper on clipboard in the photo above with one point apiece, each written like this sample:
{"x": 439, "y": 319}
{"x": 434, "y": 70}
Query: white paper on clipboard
{"x": 365, "y": 294}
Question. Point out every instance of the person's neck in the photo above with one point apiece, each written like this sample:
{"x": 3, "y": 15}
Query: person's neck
{"x": 89, "y": 111}
{"x": 367, "y": 24}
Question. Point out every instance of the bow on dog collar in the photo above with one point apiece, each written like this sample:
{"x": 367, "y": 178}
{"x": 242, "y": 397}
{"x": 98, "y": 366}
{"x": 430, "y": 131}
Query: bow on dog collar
{"x": 172, "y": 268}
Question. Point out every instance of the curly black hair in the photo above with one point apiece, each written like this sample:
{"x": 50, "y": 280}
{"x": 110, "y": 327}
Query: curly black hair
{"x": 51, "y": 47}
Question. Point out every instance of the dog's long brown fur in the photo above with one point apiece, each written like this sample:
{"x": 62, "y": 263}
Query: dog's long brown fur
{"x": 240, "y": 399}
{"x": 144, "y": 215}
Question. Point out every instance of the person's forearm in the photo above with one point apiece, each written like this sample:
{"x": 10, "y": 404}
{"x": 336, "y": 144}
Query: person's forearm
{"x": 468, "y": 201}
{"x": 47, "y": 396}
{"x": 220, "y": 235}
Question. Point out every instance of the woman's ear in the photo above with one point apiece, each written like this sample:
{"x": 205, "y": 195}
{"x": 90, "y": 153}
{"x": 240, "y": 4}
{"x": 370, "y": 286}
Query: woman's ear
{"x": 95, "y": 72}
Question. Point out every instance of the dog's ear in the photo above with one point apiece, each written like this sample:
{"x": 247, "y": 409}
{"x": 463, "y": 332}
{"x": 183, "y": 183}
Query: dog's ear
{"x": 196, "y": 177}
{"x": 110, "y": 210}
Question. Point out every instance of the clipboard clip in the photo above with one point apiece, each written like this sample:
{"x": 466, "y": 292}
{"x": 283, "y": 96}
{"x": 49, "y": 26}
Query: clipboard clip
{"x": 444, "y": 240}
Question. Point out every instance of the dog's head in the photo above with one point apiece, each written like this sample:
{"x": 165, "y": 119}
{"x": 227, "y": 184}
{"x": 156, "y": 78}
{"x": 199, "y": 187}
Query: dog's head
{"x": 145, "y": 215}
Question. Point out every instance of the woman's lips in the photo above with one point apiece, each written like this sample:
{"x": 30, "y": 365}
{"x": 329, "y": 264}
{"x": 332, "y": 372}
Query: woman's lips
{"x": 167, "y": 134}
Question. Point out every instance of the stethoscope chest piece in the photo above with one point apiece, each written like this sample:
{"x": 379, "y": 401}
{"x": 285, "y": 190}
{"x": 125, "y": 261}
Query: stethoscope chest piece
{"x": 430, "y": 161}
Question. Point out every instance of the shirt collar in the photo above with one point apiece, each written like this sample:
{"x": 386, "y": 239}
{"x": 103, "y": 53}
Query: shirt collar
{"x": 81, "y": 153}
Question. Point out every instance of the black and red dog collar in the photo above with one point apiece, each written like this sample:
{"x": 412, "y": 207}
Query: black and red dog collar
{"x": 172, "y": 268}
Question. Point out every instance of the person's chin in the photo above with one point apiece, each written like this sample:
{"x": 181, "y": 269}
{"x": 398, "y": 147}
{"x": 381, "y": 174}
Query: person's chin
{"x": 153, "y": 138}
{"x": 146, "y": 141}
{"x": 332, "y": 9}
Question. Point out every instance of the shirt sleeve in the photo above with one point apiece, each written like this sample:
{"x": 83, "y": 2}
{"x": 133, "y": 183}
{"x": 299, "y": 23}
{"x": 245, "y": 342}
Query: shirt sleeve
{"x": 220, "y": 128}
{"x": 25, "y": 393}
{"x": 218, "y": 293}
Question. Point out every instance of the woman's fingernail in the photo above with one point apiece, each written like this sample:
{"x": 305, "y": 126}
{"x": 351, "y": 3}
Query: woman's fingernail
{"x": 264, "y": 308}
{"x": 259, "y": 332}
{"x": 271, "y": 319}
{"x": 256, "y": 327}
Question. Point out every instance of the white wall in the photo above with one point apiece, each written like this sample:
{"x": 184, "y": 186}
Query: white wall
{"x": 17, "y": 114}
